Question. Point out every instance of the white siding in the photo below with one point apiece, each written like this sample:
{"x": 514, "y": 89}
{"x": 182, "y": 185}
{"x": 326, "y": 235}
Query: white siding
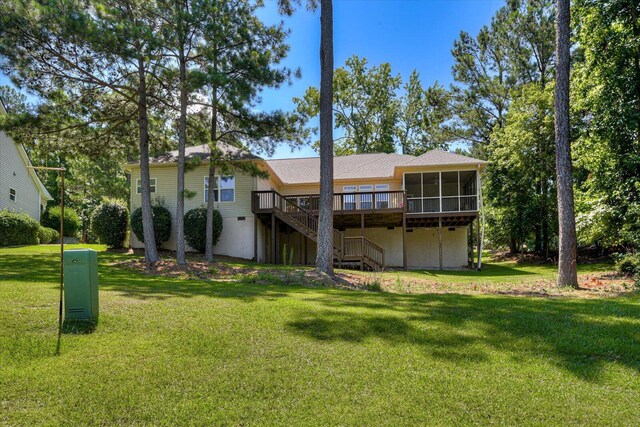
{"x": 423, "y": 249}
{"x": 14, "y": 174}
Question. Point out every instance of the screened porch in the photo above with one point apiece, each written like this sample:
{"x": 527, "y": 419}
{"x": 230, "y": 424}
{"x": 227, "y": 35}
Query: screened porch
{"x": 438, "y": 192}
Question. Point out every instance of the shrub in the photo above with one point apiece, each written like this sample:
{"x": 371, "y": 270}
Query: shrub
{"x": 629, "y": 265}
{"x": 18, "y": 229}
{"x": 48, "y": 235}
{"x": 51, "y": 219}
{"x": 109, "y": 223}
{"x": 195, "y": 228}
{"x": 161, "y": 224}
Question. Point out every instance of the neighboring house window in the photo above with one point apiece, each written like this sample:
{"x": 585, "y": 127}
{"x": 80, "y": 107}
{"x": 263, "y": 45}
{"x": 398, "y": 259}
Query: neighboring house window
{"x": 349, "y": 199}
{"x": 152, "y": 185}
{"x": 366, "y": 200}
{"x": 12, "y": 194}
{"x": 382, "y": 200}
{"x": 224, "y": 189}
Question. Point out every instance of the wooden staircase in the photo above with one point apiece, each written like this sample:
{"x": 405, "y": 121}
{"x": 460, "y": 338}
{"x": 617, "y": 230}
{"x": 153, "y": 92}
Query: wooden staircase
{"x": 347, "y": 251}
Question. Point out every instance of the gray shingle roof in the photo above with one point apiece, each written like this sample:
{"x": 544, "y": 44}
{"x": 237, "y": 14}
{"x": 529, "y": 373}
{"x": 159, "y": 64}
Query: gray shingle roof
{"x": 204, "y": 152}
{"x": 362, "y": 166}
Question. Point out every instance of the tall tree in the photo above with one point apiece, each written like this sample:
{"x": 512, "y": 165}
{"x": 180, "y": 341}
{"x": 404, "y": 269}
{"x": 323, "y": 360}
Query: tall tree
{"x": 567, "y": 257}
{"x": 484, "y": 81}
{"x": 606, "y": 104}
{"x": 324, "y": 258}
{"x": 240, "y": 56}
{"x": 365, "y": 106}
{"x": 423, "y": 117}
{"x": 521, "y": 180}
{"x": 92, "y": 55}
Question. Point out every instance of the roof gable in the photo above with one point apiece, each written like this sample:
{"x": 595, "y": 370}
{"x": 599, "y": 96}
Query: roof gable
{"x": 27, "y": 162}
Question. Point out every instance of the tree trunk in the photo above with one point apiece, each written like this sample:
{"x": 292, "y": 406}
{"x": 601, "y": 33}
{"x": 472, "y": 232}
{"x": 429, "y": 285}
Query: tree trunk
{"x": 150, "y": 249}
{"x": 567, "y": 263}
{"x": 208, "y": 254}
{"x": 513, "y": 246}
{"x": 324, "y": 259}
{"x": 182, "y": 143}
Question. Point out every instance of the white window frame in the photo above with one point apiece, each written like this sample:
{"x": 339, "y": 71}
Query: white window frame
{"x": 366, "y": 198}
{"x": 382, "y": 188}
{"x": 14, "y": 195}
{"x": 349, "y": 199}
{"x": 218, "y": 189}
{"x": 153, "y": 183}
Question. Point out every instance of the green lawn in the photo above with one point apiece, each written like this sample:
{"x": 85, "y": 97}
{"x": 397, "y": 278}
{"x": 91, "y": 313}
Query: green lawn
{"x": 188, "y": 352}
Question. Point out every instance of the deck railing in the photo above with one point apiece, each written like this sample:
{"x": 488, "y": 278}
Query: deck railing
{"x": 371, "y": 202}
{"x": 380, "y": 201}
{"x": 360, "y": 247}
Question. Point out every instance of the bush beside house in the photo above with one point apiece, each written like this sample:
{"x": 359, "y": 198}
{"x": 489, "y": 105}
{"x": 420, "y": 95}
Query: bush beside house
{"x": 195, "y": 228}
{"x": 161, "y": 224}
{"x": 109, "y": 224}
{"x": 18, "y": 229}
{"x": 48, "y": 235}
{"x": 51, "y": 218}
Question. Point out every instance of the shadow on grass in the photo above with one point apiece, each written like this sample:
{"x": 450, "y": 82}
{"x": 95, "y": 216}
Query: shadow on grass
{"x": 582, "y": 336}
{"x": 488, "y": 270}
{"x": 79, "y": 327}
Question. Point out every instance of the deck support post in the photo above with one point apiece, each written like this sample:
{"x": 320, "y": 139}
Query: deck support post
{"x": 404, "y": 242}
{"x": 304, "y": 249}
{"x": 273, "y": 239}
{"x": 471, "y": 262}
{"x": 255, "y": 238}
{"x": 478, "y": 241}
{"x": 440, "y": 242}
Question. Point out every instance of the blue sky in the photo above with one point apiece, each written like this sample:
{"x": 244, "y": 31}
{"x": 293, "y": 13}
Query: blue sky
{"x": 409, "y": 34}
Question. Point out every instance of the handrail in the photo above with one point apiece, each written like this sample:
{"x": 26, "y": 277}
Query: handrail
{"x": 310, "y": 221}
{"x": 344, "y": 246}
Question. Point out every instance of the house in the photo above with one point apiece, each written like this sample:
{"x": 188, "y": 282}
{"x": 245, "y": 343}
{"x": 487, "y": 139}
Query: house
{"x": 390, "y": 210}
{"x": 20, "y": 188}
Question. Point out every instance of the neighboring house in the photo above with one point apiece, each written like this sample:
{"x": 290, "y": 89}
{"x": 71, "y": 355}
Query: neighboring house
{"x": 20, "y": 188}
{"x": 390, "y": 210}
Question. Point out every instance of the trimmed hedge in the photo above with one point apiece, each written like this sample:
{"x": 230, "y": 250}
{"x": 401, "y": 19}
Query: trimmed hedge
{"x": 109, "y": 224}
{"x": 18, "y": 229}
{"x": 195, "y": 228}
{"x": 48, "y": 235}
{"x": 161, "y": 224}
{"x": 72, "y": 223}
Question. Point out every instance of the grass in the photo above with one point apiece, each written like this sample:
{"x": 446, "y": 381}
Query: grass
{"x": 189, "y": 352}
{"x": 496, "y": 276}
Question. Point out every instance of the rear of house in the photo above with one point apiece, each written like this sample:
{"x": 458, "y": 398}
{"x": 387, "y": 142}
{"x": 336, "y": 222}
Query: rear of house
{"x": 390, "y": 210}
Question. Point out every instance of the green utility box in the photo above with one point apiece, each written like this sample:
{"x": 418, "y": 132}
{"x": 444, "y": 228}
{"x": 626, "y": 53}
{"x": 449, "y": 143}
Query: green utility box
{"x": 81, "y": 285}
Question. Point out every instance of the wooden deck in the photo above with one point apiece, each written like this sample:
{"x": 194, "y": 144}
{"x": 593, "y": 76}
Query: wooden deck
{"x": 369, "y": 210}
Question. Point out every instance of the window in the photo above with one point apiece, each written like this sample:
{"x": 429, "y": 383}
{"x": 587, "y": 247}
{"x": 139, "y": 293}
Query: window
{"x": 12, "y": 194}
{"x": 349, "y": 200}
{"x": 382, "y": 200}
{"x": 366, "y": 200}
{"x": 152, "y": 185}
{"x": 224, "y": 189}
